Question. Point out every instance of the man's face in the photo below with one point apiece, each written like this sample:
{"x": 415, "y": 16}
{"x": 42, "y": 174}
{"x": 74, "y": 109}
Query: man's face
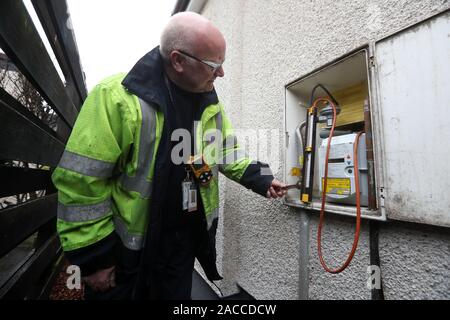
{"x": 201, "y": 69}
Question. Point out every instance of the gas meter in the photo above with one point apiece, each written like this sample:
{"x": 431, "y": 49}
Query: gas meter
{"x": 341, "y": 171}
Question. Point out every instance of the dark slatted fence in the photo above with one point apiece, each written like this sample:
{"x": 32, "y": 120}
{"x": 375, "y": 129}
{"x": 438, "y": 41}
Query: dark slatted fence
{"x": 27, "y": 271}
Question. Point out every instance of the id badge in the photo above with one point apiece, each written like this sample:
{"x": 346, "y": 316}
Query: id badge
{"x": 189, "y": 196}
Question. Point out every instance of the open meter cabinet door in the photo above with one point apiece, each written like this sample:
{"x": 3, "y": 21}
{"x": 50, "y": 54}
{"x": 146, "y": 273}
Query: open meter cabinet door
{"x": 396, "y": 90}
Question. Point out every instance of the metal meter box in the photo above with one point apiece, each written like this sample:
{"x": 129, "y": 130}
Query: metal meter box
{"x": 412, "y": 76}
{"x": 348, "y": 81}
{"x": 341, "y": 169}
{"x": 407, "y": 75}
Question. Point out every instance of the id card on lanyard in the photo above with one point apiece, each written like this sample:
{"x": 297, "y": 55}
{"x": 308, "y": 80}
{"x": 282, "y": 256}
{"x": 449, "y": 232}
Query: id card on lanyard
{"x": 188, "y": 185}
{"x": 189, "y": 190}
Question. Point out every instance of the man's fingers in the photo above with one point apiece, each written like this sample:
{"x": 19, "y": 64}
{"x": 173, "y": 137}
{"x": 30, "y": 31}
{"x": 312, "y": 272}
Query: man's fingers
{"x": 280, "y": 193}
{"x": 278, "y": 184}
{"x": 102, "y": 280}
{"x": 273, "y": 193}
{"x": 105, "y": 285}
{"x": 112, "y": 282}
{"x": 276, "y": 190}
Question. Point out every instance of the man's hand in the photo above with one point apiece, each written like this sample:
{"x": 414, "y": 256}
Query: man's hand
{"x": 276, "y": 189}
{"x": 101, "y": 280}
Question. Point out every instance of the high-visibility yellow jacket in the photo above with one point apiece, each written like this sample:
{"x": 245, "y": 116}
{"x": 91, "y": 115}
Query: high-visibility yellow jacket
{"x": 107, "y": 176}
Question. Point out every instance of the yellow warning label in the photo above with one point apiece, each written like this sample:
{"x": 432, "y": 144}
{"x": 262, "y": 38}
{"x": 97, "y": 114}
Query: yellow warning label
{"x": 340, "y": 186}
{"x": 305, "y": 197}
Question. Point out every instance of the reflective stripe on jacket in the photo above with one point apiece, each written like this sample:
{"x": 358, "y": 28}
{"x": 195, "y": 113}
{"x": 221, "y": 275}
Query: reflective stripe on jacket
{"x": 105, "y": 176}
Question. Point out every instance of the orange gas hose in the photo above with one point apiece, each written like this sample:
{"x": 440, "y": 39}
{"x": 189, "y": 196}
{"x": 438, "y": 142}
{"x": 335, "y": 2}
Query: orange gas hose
{"x": 358, "y": 200}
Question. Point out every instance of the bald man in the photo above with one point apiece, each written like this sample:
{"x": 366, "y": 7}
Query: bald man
{"x": 138, "y": 182}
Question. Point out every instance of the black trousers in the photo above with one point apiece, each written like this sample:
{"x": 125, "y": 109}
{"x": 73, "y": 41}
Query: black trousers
{"x": 171, "y": 274}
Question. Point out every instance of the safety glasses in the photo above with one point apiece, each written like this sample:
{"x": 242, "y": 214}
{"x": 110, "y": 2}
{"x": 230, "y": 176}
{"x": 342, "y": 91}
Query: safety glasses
{"x": 213, "y": 65}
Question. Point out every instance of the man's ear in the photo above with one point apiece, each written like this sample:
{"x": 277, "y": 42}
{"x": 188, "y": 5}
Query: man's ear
{"x": 176, "y": 60}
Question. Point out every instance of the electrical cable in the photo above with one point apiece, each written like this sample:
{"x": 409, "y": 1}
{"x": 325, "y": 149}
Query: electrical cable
{"x": 377, "y": 293}
{"x": 358, "y": 200}
{"x": 324, "y": 89}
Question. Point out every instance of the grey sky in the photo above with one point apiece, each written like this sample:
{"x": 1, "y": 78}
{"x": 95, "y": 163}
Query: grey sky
{"x": 112, "y": 35}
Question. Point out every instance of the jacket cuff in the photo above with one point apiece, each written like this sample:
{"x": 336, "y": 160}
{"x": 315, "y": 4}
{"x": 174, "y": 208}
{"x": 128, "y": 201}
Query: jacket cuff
{"x": 257, "y": 177}
{"x": 97, "y": 256}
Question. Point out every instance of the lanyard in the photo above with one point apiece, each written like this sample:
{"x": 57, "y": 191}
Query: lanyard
{"x": 177, "y": 114}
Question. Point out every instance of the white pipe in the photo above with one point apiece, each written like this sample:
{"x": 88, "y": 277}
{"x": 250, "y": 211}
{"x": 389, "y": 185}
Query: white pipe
{"x": 303, "y": 260}
{"x": 298, "y": 134}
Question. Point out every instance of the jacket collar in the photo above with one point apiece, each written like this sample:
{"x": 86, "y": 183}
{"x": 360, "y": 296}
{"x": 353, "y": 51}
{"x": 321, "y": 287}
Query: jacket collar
{"x": 146, "y": 80}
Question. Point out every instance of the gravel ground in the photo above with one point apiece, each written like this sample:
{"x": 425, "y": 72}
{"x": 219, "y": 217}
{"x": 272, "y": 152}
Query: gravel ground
{"x": 60, "y": 290}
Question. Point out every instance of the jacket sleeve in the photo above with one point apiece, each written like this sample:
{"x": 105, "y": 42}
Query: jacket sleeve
{"x": 236, "y": 165}
{"x": 101, "y": 135}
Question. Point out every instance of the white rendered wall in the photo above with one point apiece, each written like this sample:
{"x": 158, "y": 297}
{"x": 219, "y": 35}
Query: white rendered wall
{"x": 269, "y": 44}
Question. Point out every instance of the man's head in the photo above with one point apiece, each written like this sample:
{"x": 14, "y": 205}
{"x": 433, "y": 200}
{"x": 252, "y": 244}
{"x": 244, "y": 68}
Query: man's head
{"x": 193, "y": 50}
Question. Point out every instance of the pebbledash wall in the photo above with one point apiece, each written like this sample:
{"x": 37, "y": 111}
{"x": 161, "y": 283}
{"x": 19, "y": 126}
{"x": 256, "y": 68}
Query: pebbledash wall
{"x": 267, "y": 248}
